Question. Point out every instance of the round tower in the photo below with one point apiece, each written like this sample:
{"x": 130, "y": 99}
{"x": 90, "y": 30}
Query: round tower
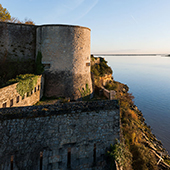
{"x": 66, "y": 56}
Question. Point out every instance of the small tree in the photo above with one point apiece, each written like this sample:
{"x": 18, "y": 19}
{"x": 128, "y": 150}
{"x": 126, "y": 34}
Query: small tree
{"x": 4, "y": 14}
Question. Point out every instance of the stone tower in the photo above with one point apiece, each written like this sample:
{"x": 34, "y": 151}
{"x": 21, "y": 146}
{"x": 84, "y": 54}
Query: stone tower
{"x": 66, "y": 56}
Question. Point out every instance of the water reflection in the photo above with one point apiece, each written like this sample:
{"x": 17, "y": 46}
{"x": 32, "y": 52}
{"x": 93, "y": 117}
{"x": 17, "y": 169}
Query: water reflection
{"x": 149, "y": 81}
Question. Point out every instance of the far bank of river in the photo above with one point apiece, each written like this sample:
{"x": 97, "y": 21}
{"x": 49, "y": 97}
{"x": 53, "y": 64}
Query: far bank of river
{"x": 148, "y": 78}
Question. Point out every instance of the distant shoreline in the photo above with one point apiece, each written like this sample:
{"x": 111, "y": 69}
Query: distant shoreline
{"x": 130, "y": 55}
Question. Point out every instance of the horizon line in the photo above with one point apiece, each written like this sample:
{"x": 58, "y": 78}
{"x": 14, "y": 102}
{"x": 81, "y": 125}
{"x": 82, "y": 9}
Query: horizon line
{"x": 128, "y": 54}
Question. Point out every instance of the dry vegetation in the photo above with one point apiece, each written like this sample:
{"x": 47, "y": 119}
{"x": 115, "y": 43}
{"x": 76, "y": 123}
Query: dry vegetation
{"x": 138, "y": 149}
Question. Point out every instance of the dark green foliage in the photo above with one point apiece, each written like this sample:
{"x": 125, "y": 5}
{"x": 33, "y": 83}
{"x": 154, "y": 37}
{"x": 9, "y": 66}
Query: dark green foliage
{"x": 93, "y": 58}
{"x": 111, "y": 86}
{"x": 39, "y": 65}
{"x": 101, "y": 69}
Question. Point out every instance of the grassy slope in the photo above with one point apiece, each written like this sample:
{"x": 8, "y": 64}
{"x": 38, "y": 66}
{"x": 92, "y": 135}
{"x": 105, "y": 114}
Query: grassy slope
{"x": 141, "y": 148}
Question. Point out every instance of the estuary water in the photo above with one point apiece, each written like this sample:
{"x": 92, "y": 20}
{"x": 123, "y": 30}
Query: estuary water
{"x": 148, "y": 78}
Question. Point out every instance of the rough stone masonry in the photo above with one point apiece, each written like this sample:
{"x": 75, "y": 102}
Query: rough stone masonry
{"x": 62, "y": 136}
{"x": 65, "y": 53}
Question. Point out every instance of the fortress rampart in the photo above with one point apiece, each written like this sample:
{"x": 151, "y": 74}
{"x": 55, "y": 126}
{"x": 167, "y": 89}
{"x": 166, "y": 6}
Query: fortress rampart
{"x": 72, "y": 135}
{"x": 17, "y": 42}
{"x": 9, "y": 97}
{"x": 65, "y": 53}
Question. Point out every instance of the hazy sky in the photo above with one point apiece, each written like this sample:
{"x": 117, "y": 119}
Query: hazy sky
{"x": 117, "y": 26}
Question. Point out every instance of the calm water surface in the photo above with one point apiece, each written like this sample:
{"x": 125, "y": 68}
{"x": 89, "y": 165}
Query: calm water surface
{"x": 149, "y": 81}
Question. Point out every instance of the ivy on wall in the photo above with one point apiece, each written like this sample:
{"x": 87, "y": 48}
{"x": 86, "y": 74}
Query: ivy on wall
{"x": 26, "y": 83}
{"x": 85, "y": 93}
{"x": 39, "y": 65}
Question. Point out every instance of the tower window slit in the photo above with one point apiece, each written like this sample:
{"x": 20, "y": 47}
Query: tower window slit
{"x": 12, "y": 160}
{"x": 69, "y": 158}
{"x": 11, "y": 102}
{"x": 17, "y": 101}
{"x": 41, "y": 160}
{"x": 94, "y": 154}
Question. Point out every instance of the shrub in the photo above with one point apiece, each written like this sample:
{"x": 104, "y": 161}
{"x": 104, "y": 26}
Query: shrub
{"x": 121, "y": 155}
{"x": 101, "y": 69}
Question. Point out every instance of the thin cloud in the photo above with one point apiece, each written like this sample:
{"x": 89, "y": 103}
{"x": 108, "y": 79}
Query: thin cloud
{"x": 71, "y": 5}
{"x": 133, "y": 18}
{"x": 87, "y": 10}
{"x": 70, "y": 11}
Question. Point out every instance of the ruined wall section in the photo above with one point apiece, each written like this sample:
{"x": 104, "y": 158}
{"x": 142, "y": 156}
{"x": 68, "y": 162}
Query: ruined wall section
{"x": 73, "y": 135}
{"x": 66, "y": 53}
{"x": 9, "y": 97}
{"x": 17, "y": 41}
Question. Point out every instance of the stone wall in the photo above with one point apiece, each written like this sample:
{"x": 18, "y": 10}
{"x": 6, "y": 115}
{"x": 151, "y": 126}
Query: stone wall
{"x": 17, "y": 50}
{"x": 63, "y": 136}
{"x": 9, "y": 97}
{"x": 17, "y": 41}
{"x": 109, "y": 94}
{"x": 66, "y": 54}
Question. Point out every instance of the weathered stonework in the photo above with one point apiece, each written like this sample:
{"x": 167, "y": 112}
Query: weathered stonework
{"x": 66, "y": 51}
{"x": 70, "y": 136}
{"x": 9, "y": 97}
{"x": 17, "y": 41}
{"x": 65, "y": 54}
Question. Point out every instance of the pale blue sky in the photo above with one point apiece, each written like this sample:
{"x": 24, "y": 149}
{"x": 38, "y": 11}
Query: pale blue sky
{"x": 117, "y": 26}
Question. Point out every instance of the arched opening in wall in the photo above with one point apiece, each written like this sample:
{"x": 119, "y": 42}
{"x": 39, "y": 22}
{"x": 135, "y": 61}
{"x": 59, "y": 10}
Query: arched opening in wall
{"x": 4, "y": 105}
{"x": 27, "y": 94}
{"x": 12, "y": 162}
{"x": 41, "y": 160}
{"x": 94, "y": 154}
{"x": 11, "y": 102}
{"x": 17, "y": 99}
{"x": 69, "y": 158}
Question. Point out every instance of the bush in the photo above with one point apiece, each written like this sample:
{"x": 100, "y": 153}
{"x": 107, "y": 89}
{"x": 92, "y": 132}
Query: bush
{"x": 101, "y": 69}
{"x": 121, "y": 155}
{"x": 111, "y": 86}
